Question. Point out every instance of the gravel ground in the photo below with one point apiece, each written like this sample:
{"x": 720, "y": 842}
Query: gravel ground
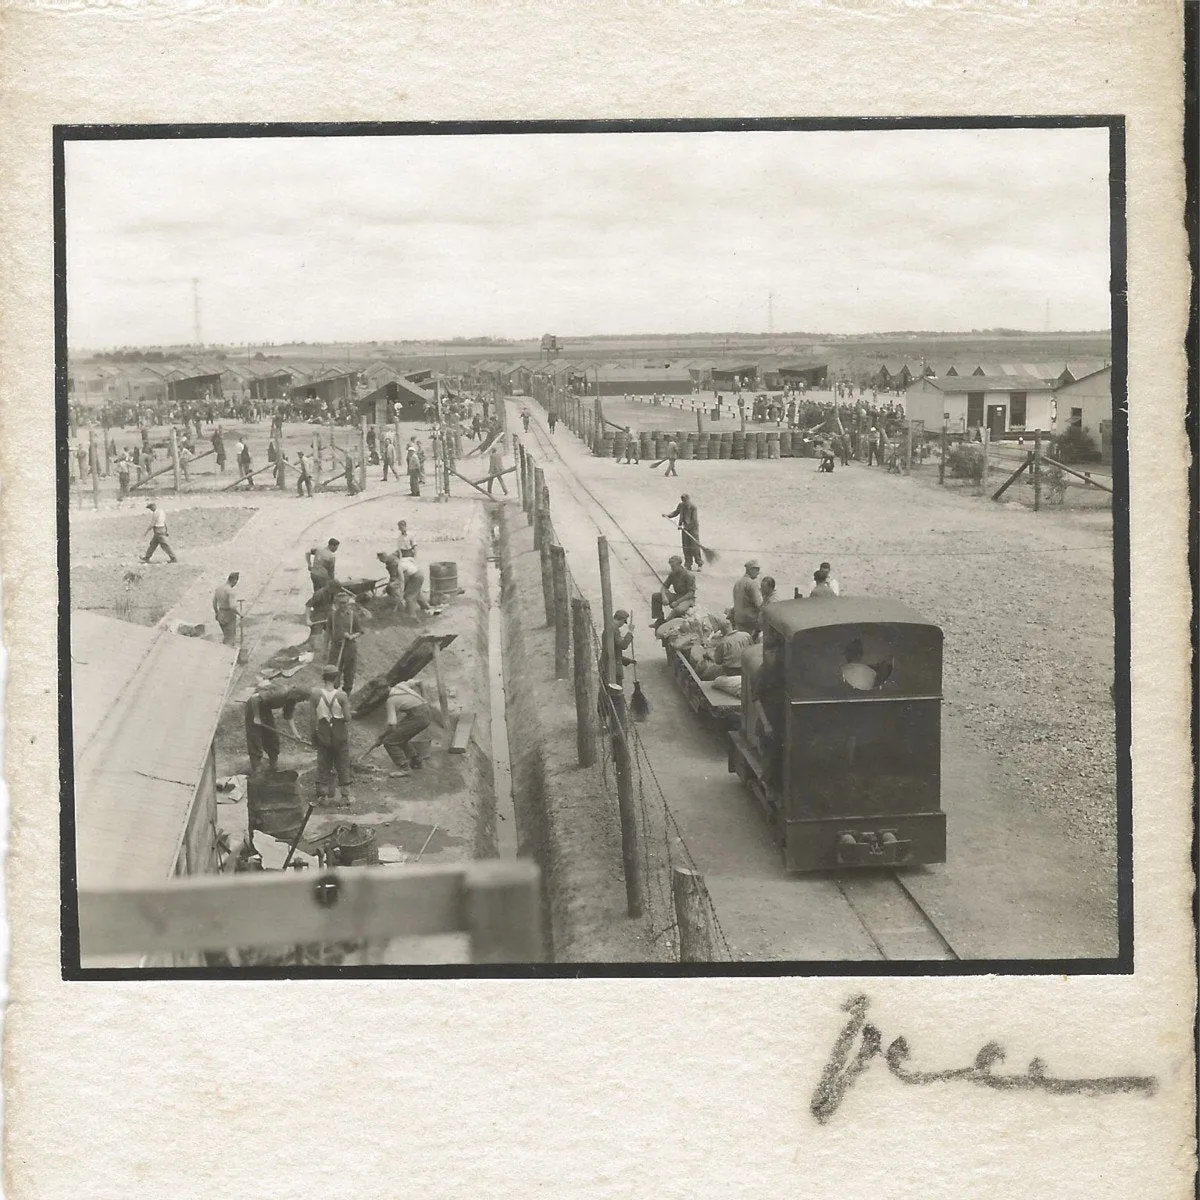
{"x": 144, "y": 599}
{"x": 123, "y": 537}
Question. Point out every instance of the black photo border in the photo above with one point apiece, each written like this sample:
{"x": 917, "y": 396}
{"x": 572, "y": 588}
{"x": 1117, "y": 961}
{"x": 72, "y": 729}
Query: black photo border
{"x": 1121, "y": 964}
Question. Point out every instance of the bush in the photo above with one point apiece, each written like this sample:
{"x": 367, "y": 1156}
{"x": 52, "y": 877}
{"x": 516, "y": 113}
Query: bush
{"x": 1075, "y": 446}
{"x": 965, "y": 462}
{"x": 1054, "y": 484}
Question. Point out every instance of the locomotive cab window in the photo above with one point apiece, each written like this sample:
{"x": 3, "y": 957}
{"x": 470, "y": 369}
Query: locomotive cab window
{"x": 866, "y": 669}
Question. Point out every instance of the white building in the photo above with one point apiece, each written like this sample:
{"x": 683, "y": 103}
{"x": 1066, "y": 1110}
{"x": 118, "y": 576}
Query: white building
{"x": 1086, "y": 402}
{"x": 1005, "y": 404}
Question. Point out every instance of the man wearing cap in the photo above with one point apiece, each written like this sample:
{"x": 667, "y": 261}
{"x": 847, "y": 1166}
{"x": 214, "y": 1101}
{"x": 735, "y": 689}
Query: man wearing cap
{"x": 225, "y": 609}
{"x": 678, "y": 593}
{"x": 331, "y": 735}
{"x": 322, "y": 564}
{"x": 622, "y": 640}
{"x": 689, "y": 530}
{"x": 158, "y": 532}
{"x": 345, "y": 628}
{"x": 747, "y": 600}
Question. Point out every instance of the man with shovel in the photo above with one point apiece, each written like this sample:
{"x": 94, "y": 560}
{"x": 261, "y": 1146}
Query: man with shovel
{"x": 262, "y": 734}
{"x": 408, "y": 714}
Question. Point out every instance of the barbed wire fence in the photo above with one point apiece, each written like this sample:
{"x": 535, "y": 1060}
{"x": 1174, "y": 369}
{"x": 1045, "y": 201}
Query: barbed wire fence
{"x": 661, "y": 847}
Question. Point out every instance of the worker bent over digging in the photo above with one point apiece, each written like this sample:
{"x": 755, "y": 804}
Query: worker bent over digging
{"x": 262, "y": 734}
{"x": 331, "y": 733}
{"x": 408, "y": 714}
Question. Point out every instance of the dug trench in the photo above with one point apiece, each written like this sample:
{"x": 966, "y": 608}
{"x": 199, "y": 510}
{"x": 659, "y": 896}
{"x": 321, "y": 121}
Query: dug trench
{"x": 446, "y": 811}
{"x": 566, "y": 815}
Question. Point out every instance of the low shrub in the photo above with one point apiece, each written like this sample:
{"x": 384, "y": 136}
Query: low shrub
{"x": 965, "y": 462}
{"x": 1073, "y": 445}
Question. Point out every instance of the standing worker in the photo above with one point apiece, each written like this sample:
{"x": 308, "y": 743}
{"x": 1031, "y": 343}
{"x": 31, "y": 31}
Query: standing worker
{"x": 389, "y": 456}
{"x": 747, "y": 600}
{"x": 243, "y": 458}
{"x": 303, "y": 478}
{"x": 321, "y": 562}
{"x": 225, "y": 609}
{"x": 623, "y": 641}
{"x": 495, "y": 467}
{"x": 158, "y": 532}
{"x": 348, "y": 472}
{"x": 552, "y": 420}
{"x": 631, "y": 448}
{"x": 689, "y": 527}
{"x": 405, "y": 546}
{"x": 672, "y": 455}
{"x": 345, "y": 628}
{"x": 331, "y": 734}
{"x": 413, "y": 465}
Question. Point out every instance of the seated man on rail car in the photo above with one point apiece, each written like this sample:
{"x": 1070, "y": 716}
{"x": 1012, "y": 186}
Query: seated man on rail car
{"x": 678, "y": 594}
{"x": 729, "y": 647}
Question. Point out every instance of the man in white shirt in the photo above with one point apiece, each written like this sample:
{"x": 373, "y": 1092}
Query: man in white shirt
{"x": 413, "y": 576}
{"x": 405, "y": 546}
{"x": 158, "y": 532}
{"x": 830, "y": 583}
{"x": 408, "y": 713}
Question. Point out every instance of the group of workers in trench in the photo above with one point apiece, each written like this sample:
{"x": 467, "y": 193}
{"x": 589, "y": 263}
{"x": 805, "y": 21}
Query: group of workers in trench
{"x": 337, "y": 621}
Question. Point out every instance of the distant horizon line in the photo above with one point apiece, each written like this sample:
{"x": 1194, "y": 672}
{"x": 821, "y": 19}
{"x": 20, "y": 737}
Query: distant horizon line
{"x": 497, "y": 340}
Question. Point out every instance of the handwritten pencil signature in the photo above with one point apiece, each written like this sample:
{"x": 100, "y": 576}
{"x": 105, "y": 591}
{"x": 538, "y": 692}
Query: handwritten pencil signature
{"x": 844, "y": 1068}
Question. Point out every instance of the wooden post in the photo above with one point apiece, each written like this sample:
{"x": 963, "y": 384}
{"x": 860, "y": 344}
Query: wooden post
{"x": 562, "y": 613}
{"x": 107, "y": 455}
{"x": 908, "y": 451}
{"x": 610, "y": 640}
{"x": 1037, "y": 470}
{"x": 175, "y": 457}
{"x": 443, "y": 700}
{"x": 942, "y": 464}
{"x": 94, "y": 460}
{"x": 687, "y": 895}
{"x": 539, "y": 490}
{"x": 317, "y": 461}
{"x": 983, "y": 478}
{"x": 362, "y": 453}
{"x": 585, "y": 683}
{"x": 699, "y": 420}
{"x": 623, "y": 767}
{"x": 547, "y": 579}
{"x": 280, "y": 473}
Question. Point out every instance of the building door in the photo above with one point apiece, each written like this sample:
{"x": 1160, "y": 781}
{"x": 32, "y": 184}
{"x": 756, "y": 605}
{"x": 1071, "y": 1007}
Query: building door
{"x": 995, "y": 420}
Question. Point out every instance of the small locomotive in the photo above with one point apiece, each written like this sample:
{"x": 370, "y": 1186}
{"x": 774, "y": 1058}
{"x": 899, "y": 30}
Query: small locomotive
{"x": 840, "y": 733}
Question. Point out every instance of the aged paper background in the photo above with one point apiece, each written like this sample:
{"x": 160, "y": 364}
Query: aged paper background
{"x": 601, "y": 1088}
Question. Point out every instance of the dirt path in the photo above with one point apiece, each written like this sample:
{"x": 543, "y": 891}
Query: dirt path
{"x": 1028, "y": 742}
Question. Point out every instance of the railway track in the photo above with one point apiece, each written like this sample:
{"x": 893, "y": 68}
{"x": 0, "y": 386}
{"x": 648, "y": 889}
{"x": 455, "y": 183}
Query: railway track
{"x": 894, "y": 921}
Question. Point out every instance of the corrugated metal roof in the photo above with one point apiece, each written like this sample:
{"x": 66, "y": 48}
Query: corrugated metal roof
{"x": 988, "y": 383}
{"x": 616, "y": 374}
{"x": 1067, "y": 386}
{"x": 1081, "y": 368}
{"x": 145, "y": 707}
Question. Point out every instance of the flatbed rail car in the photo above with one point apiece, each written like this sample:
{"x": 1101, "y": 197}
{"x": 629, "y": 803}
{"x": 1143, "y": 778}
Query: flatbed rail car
{"x": 839, "y": 736}
{"x": 722, "y": 708}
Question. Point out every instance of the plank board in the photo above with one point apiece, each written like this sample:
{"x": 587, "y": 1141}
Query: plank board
{"x": 464, "y": 726}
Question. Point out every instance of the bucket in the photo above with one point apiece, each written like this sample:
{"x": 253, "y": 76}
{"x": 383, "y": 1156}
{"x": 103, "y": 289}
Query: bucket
{"x": 354, "y": 845}
{"x": 443, "y": 582}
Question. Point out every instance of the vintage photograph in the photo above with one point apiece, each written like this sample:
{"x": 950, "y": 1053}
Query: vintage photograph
{"x": 624, "y": 550}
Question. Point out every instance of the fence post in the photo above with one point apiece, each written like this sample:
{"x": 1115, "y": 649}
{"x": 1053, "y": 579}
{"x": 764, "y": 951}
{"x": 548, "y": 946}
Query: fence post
{"x": 562, "y": 613}
{"x": 942, "y": 464}
{"x": 1037, "y": 470}
{"x": 362, "y": 453}
{"x": 623, "y": 764}
{"x": 610, "y": 640}
{"x": 585, "y": 683}
{"x": 547, "y": 579}
{"x": 95, "y": 463}
{"x": 317, "y": 462}
{"x": 539, "y": 482}
{"x": 175, "y": 458}
{"x": 699, "y": 420}
{"x": 983, "y": 479}
{"x": 908, "y": 451}
{"x": 687, "y": 895}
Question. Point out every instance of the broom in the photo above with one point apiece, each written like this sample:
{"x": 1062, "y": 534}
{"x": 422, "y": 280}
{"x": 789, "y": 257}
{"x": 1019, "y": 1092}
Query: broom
{"x": 639, "y": 706}
{"x": 710, "y": 555}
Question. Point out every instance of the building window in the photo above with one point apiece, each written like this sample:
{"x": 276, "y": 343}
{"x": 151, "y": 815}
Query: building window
{"x": 974, "y": 410}
{"x": 1016, "y": 410}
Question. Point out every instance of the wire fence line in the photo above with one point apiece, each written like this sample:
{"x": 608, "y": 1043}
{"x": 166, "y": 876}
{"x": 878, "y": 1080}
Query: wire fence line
{"x": 655, "y": 819}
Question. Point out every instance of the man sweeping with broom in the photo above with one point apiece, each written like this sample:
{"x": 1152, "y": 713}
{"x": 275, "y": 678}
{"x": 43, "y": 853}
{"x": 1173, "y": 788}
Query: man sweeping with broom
{"x": 689, "y": 533}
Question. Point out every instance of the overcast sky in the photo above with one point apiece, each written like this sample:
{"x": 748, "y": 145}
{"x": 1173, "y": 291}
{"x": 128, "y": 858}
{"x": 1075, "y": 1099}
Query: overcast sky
{"x": 514, "y": 236}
